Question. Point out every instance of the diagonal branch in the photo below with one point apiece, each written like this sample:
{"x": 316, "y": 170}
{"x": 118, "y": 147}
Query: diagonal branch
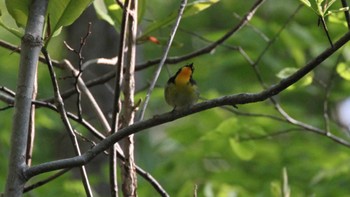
{"x": 247, "y": 17}
{"x": 8, "y": 98}
{"x": 243, "y": 98}
{"x": 66, "y": 122}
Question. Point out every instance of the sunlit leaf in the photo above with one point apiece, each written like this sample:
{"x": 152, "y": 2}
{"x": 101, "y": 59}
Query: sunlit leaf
{"x": 12, "y": 30}
{"x": 61, "y": 12}
{"x": 244, "y": 150}
{"x": 102, "y": 12}
{"x": 275, "y": 188}
{"x": 65, "y": 12}
{"x": 18, "y": 9}
{"x": 141, "y": 9}
{"x": 343, "y": 70}
{"x": 115, "y": 12}
{"x": 306, "y": 2}
{"x": 337, "y": 18}
{"x": 228, "y": 126}
{"x": 329, "y": 4}
{"x": 286, "y": 72}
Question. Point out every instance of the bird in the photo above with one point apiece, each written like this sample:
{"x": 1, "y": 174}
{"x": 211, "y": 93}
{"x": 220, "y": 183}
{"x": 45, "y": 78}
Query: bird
{"x": 181, "y": 90}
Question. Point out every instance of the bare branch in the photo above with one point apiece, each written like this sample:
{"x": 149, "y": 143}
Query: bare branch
{"x": 47, "y": 180}
{"x": 66, "y": 122}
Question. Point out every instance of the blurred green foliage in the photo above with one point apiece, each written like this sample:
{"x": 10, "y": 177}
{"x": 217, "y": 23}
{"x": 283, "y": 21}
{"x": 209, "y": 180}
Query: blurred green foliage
{"x": 223, "y": 153}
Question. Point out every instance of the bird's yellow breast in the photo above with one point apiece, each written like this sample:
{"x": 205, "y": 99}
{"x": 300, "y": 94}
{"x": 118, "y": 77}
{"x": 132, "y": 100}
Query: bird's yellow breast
{"x": 184, "y": 76}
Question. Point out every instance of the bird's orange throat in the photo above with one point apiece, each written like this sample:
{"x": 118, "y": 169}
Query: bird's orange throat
{"x": 184, "y": 76}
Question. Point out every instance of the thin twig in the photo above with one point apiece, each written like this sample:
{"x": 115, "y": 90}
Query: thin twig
{"x": 165, "y": 54}
{"x": 66, "y": 122}
{"x": 240, "y": 113}
{"x": 327, "y": 94}
{"x": 45, "y": 181}
{"x": 31, "y": 128}
{"x": 17, "y": 49}
{"x": 78, "y": 75}
{"x": 120, "y": 3}
{"x": 324, "y": 25}
{"x": 90, "y": 98}
{"x": 195, "y": 190}
{"x": 346, "y": 13}
{"x": 268, "y": 136}
{"x": 269, "y": 44}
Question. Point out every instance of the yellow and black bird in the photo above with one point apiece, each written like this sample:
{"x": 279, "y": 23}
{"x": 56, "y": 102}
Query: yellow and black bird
{"x": 181, "y": 90}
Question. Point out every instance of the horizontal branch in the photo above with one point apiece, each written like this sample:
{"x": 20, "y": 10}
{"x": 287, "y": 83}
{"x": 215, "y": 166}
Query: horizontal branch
{"x": 170, "y": 116}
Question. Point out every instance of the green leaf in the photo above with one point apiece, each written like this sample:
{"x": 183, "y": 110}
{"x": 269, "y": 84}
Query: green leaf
{"x": 286, "y": 72}
{"x": 343, "y": 70}
{"x": 109, "y": 11}
{"x": 337, "y": 11}
{"x": 337, "y": 18}
{"x": 65, "y": 12}
{"x": 329, "y": 4}
{"x": 18, "y": 9}
{"x": 228, "y": 126}
{"x": 141, "y": 10}
{"x": 306, "y": 2}
{"x": 191, "y": 9}
{"x": 198, "y": 6}
{"x": 244, "y": 150}
{"x": 115, "y": 12}
{"x": 60, "y": 12}
{"x": 11, "y": 30}
{"x": 102, "y": 12}
{"x": 275, "y": 187}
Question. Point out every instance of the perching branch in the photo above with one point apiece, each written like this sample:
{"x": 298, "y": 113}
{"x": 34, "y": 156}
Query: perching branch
{"x": 173, "y": 60}
{"x": 236, "y": 99}
{"x": 160, "y": 66}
